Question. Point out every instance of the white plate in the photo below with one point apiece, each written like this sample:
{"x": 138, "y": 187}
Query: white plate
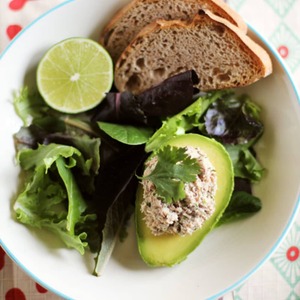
{"x": 227, "y": 257}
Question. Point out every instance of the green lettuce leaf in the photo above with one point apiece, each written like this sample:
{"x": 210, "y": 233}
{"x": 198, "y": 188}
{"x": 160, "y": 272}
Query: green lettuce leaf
{"x": 184, "y": 121}
{"x": 126, "y": 134}
{"x": 51, "y": 198}
{"x": 29, "y": 106}
{"x": 245, "y": 164}
{"x": 241, "y": 205}
{"x": 45, "y": 156}
{"x": 76, "y": 204}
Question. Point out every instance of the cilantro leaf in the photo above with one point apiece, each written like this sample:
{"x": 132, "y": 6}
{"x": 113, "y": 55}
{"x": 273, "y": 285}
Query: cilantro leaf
{"x": 174, "y": 168}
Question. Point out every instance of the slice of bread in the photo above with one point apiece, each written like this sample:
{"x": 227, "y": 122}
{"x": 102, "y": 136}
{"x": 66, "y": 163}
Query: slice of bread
{"x": 220, "y": 53}
{"x": 132, "y": 18}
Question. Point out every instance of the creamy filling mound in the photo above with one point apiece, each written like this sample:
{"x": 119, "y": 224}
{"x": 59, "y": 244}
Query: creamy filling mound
{"x": 185, "y": 216}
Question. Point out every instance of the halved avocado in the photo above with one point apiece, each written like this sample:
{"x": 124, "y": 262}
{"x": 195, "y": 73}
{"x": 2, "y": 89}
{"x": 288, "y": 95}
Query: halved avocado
{"x": 168, "y": 250}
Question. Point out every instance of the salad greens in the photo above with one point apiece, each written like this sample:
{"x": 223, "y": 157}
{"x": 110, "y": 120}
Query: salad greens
{"x": 51, "y": 197}
{"x": 234, "y": 120}
{"x": 127, "y": 134}
{"x": 80, "y": 172}
{"x": 182, "y": 122}
{"x": 245, "y": 163}
{"x": 148, "y": 108}
{"x": 241, "y": 205}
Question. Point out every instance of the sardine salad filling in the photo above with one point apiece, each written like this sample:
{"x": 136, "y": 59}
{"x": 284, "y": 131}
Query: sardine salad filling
{"x": 185, "y": 216}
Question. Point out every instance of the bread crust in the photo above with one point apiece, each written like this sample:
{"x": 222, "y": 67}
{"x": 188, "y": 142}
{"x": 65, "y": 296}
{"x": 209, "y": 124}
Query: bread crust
{"x": 260, "y": 52}
{"x": 254, "y": 52}
{"x": 108, "y": 37}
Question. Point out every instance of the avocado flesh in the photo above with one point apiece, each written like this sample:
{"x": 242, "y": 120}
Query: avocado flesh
{"x": 168, "y": 250}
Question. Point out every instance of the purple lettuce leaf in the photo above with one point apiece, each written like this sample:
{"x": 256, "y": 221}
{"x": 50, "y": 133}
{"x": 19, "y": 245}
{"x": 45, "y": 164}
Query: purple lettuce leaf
{"x": 151, "y": 106}
{"x": 234, "y": 120}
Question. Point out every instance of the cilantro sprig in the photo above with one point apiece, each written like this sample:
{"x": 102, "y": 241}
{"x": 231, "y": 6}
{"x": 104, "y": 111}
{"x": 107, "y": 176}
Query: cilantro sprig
{"x": 174, "y": 168}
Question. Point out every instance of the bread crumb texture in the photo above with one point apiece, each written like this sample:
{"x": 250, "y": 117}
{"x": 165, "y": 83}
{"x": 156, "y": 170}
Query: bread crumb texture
{"x": 217, "y": 54}
{"x": 129, "y": 21}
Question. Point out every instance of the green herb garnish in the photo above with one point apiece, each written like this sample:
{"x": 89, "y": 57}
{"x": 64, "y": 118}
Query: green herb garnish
{"x": 174, "y": 168}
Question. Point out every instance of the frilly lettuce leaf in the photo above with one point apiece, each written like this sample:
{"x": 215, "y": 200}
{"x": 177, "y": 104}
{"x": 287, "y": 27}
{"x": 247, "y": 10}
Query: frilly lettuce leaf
{"x": 29, "y": 106}
{"x": 51, "y": 198}
{"x": 182, "y": 122}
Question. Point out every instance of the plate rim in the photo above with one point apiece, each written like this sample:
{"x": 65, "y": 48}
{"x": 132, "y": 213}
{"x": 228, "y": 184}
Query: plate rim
{"x": 294, "y": 213}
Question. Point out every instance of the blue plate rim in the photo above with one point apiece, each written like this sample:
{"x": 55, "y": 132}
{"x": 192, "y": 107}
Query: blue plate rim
{"x": 233, "y": 286}
{"x": 286, "y": 229}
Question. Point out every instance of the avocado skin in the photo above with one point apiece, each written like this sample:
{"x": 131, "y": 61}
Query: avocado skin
{"x": 169, "y": 250}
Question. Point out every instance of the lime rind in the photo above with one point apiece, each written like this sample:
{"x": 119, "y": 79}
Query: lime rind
{"x": 74, "y": 75}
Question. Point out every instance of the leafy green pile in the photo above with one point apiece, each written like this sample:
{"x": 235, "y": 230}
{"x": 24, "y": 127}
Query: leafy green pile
{"x": 80, "y": 172}
{"x": 52, "y": 198}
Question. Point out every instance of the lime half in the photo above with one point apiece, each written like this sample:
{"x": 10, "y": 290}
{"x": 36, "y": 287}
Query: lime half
{"x": 74, "y": 75}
